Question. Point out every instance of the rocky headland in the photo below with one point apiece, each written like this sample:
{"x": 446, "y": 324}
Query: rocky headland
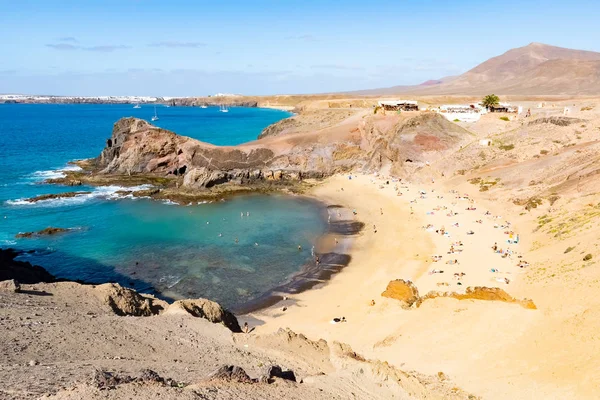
{"x": 288, "y": 157}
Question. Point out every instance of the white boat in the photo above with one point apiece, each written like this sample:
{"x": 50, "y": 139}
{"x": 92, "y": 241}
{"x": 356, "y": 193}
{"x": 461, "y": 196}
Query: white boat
{"x": 155, "y": 117}
{"x": 137, "y": 106}
{"x": 224, "y": 108}
{"x": 203, "y": 106}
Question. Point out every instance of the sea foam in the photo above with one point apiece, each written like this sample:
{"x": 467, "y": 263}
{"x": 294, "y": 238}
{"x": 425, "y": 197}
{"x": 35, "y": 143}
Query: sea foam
{"x": 102, "y": 192}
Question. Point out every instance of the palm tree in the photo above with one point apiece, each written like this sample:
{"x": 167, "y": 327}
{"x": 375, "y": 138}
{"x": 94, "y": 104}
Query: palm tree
{"x": 490, "y": 100}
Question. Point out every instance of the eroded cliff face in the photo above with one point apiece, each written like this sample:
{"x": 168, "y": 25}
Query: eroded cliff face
{"x": 402, "y": 144}
{"x": 137, "y": 147}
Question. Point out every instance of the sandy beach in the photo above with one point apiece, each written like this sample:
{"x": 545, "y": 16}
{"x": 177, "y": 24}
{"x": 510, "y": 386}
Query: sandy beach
{"x": 480, "y": 345}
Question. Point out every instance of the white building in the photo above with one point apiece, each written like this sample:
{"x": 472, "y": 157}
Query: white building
{"x": 462, "y": 112}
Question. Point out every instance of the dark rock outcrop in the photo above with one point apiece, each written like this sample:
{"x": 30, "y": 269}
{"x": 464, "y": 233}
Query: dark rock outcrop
{"x": 21, "y": 271}
{"x": 44, "y": 232}
{"x": 55, "y": 196}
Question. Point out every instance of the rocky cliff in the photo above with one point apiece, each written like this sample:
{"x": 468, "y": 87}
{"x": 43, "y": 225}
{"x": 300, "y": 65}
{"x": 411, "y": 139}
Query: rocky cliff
{"x": 317, "y": 146}
{"x": 139, "y": 148}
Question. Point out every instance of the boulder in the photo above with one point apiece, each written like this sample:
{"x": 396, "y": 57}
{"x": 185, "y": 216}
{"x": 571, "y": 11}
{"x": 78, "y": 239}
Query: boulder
{"x": 275, "y": 371}
{"x": 197, "y": 178}
{"x": 10, "y": 285}
{"x": 124, "y": 301}
{"x": 402, "y": 290}
{"x": 209, "y": 310}
{"x": 231, "y": 373}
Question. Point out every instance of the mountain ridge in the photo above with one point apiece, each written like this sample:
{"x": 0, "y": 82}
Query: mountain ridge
{"x": 535, "y": 69}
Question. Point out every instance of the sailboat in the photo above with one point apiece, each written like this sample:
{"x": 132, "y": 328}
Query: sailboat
{"x": 155, "y": 117}
{"x": 224, "y": 108}
{"x": 137, "y": 106}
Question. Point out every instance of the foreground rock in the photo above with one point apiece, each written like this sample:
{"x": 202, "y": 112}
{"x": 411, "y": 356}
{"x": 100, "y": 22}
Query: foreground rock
{"x": 206, "y": 309}
{"x": 10, "y": 285}
{"x": 105, "y": 380}
{"x": 44, "y": 232}
{"x": 124, "y": 301}
{"x": 233, "y": 373}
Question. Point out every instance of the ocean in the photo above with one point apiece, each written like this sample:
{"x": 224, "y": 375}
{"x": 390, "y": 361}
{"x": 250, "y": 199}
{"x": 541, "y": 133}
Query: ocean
{"x": 231, "y": 251}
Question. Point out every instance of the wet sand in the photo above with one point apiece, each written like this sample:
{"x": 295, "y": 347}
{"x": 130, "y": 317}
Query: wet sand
{"x": 332, "y": 249}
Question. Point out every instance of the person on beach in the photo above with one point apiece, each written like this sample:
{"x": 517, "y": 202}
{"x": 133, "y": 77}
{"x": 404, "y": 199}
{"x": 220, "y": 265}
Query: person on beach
{"x": 246, "y": 328}
{"x": 381, "y": 211}
{"x": 317, "y": 260}
{"x": 336, "y": 240}
{"x": 329, "y": 219}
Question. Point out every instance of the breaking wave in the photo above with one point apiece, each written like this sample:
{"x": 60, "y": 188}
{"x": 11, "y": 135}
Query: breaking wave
{"x": 103, "y": 192}
{"x": 40, "y": 176}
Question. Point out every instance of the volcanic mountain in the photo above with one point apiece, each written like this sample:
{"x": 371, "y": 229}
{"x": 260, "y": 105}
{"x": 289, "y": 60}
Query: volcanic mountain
{"x": 535, "y": 69}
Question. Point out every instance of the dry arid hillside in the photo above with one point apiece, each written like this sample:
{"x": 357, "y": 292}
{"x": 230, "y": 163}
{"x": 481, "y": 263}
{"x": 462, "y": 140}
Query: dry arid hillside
{"x": 535, "y": 69}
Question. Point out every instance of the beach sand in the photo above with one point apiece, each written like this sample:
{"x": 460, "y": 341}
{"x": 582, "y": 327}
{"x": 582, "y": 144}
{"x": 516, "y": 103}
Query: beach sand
{"x": 485, "y": 347}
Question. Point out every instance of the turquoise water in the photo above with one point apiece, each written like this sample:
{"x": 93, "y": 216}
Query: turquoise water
{"x": 173, "y": 251}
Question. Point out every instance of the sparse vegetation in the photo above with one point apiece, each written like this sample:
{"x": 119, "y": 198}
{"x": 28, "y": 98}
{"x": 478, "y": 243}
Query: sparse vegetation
{"x": 376, "y": 109}
{"x": 490, "y": 100}
{"x": 484, "y": 185}
{"x": 587, "y": 108}
{"x": 544, "y": 152}
{"x": 532, "y": 202}
{"x": 587, "y": 257}
{"x": 505, "y": 119}
{"x": 506, "y": 147}
{"x": 461, "y": 172}
{"x": 569, "y": 249}
{"x": 456, "y": 120}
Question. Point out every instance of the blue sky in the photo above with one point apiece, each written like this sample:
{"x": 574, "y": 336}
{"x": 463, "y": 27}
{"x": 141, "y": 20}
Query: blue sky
{"x": 193, "y": 48}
